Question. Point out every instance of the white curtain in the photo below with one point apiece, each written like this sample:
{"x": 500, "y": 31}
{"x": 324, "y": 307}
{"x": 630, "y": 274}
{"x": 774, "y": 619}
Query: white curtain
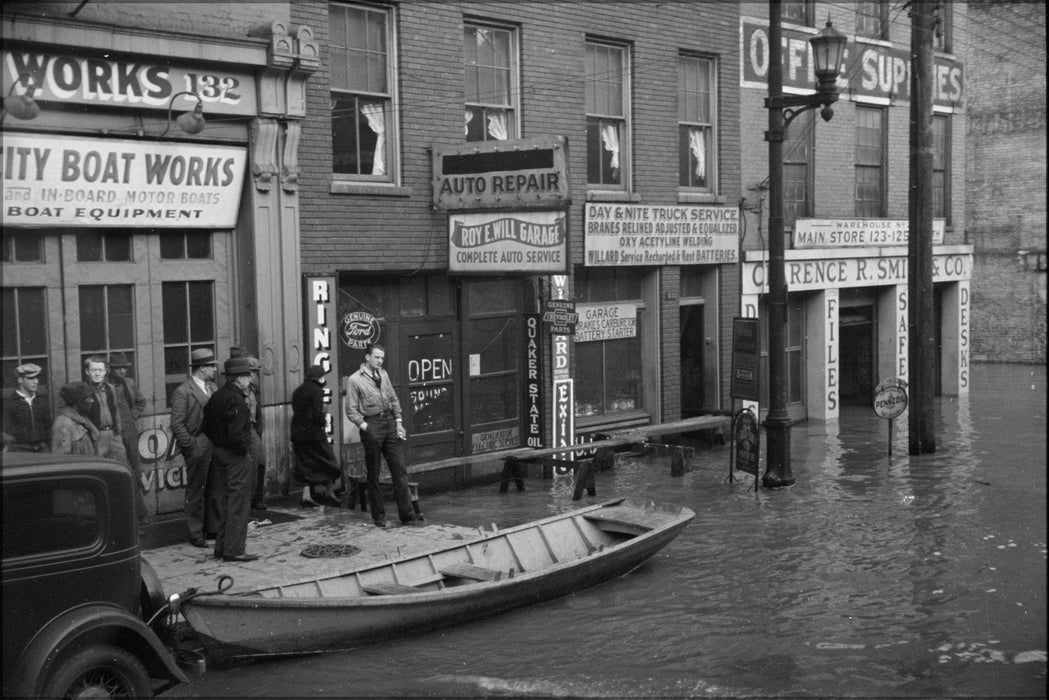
{"x": 610, "y": 138}
{"x": 468, "y": 117}
{"x": 377, "y": 122}
{"x": 497, "y": 126}
{"x": 698, "y": 144}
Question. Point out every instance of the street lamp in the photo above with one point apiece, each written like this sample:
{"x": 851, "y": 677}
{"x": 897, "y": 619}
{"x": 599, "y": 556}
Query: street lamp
{"x": 21, "y": 106}
{"x": 828, "y": 51}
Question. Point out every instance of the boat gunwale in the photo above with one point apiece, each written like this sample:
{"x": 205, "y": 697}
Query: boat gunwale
{"x": 252, "y": 599}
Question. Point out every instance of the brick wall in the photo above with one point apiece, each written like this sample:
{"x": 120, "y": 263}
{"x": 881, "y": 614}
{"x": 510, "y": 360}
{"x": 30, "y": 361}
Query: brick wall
{"x": 1006, "y": 201}
{"x": 401, "y": 233}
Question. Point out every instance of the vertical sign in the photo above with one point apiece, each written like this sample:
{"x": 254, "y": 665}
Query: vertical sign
{"x": 963, "y": 337}
{"x": 831, "y": 366}
{"x": 321, "y": 339}
{"x": 564, "y": 394}
{"x": 533, "y": 409}
{"x": 745, "y": 357}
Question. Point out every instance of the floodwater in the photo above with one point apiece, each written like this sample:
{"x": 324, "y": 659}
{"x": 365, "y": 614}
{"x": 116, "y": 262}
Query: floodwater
{"x": 873, "y": 576}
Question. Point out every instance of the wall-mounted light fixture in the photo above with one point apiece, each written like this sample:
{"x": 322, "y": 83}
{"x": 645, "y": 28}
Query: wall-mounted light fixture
{"x": 190, "y": 122}
{"x": 21, "y": 106}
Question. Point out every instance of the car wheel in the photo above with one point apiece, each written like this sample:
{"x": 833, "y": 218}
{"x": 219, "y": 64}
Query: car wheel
{"x": 101, "y": 671}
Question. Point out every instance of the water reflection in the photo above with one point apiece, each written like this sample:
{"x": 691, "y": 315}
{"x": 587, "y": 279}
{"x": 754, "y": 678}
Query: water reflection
{"x": 875, "y": 575}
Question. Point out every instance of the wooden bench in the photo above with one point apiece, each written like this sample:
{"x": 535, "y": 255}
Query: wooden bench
{"x": 389, "y": 589}
{"x": 471, "y": 572}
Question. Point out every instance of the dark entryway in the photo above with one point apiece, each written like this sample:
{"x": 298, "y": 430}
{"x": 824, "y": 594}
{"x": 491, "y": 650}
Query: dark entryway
{"x": 856, "y": 346}
{"x": 693, "y": 395}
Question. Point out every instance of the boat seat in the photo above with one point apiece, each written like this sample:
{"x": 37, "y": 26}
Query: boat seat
{"x": 471, "y": 572}
{"x": 389, "y": 589}
{"x": 619, "y": 520}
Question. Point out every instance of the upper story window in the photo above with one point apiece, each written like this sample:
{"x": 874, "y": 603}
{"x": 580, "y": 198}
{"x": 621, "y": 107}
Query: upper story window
{"x": 797, "y": 169}
{"x": 363, "y": 94}
{"x": 942, "y": 37}
{"x": 103, "y": 246}
{"x": 697, "y": 110}
{"x": 490, "y": 58}
{"x": 941, "y": 168}
{"x": 22, "y": 247}
{"x": 872, "y": 20}
{"x": 607, "y": 115}
{"x": 798, "y": 12}
{"x": 870, "y": 162}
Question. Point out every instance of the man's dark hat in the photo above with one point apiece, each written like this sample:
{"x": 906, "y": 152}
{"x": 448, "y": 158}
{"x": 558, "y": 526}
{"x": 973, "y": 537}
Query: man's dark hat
{"x": 314, "y": 372}
{"x": 75, "y": 392}
{"x": 203, "y": 356}
{"x": 236, "y": 366}
{"x": 119, "y": 359}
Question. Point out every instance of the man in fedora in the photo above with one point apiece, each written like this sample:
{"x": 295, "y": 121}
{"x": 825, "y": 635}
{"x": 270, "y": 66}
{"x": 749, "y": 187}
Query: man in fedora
{"x": 27, "y": 415}
{"x": 254, "y": 398}
{"x": 227, "y": 423}
{"x": 73, "y": 433}
{"x": 187, "y": 415}
{"x": 130, "y": 405}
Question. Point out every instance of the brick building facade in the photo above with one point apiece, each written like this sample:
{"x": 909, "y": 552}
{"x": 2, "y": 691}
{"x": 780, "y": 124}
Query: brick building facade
{"x": 846, "y": 204}
{"x": 1005, "y": 193}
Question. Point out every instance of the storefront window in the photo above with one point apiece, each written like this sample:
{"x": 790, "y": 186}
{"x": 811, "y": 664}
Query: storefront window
{"x": 795, "y": 350}
{"x": 103, "y": 246}
{"x": 431, "y": 383}
{"x": 24, "y": 314}
{"x": 608, "y": 366}
{"x": 189, "y": 324}
{"x": 107, "y": 320}
{"x": 23, "y": 247}
{"x": 192, "y": 245}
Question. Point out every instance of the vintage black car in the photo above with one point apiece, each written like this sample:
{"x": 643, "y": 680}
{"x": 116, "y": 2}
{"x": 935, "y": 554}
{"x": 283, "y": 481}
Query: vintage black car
{"x": 84, "y": 614}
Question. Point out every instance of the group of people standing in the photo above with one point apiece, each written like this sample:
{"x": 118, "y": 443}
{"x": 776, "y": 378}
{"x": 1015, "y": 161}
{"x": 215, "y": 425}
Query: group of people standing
{"x": 218, "y": 432}
{"x": 98, "y": 416}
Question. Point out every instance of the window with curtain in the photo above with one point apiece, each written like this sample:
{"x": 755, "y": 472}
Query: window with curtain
{"x": 608, "y": 374}
{"x": 872, "y": 19}
{"x": 697, "y": 146}
{"x": 870, "y": 162}
{"x": 363, "y": 105}
{"x": 189, "y": 324}
{"x": 490, "y": 58}
{"x": 941, "y": 159}
{"x": 797, "y": 169}
{"x": 107, "y": 320}
{"x": 607, "y": 122}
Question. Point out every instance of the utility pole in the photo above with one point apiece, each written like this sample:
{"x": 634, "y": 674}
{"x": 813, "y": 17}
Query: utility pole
{"x": 921, "y": 343}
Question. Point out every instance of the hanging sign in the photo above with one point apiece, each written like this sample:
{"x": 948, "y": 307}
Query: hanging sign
{"x": 320, "y": 340}
{"x": 890, "y": 398}
{"x": 53, "y": 180}
{"x": 606, "y": 322}
{"x": 745, "y": 355}
{"x": 518, "y": 241}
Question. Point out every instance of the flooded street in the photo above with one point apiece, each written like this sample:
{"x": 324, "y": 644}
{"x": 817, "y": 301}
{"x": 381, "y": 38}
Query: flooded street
{"x": 873, "y": 576}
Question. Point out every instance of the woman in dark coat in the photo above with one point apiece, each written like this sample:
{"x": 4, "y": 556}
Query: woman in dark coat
{"x": 315, "y": 463}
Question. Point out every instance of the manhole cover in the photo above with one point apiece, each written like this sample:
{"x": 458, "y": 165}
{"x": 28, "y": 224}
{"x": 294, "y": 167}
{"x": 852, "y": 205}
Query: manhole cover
{"x": 330, "y": 551}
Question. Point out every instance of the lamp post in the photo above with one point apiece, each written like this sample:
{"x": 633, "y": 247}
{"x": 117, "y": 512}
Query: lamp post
{"x": 828, "y": 49}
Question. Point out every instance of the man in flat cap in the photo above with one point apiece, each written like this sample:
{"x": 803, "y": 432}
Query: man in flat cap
{"x": 227, "y": 424}
{"x": 130, "y": 405}
{"x": 187, "y": 415}
{"x": 27, "y": 415}
{"x": 73, "y": 432}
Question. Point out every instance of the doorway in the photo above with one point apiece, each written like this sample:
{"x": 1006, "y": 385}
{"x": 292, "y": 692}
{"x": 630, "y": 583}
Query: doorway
{"x": 856, "y": 327}
{"x": 693, "y": 393}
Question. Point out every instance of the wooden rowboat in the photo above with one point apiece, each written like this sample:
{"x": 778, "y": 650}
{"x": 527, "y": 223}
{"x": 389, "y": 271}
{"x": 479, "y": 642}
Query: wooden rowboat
{"x": 472, "y": 579}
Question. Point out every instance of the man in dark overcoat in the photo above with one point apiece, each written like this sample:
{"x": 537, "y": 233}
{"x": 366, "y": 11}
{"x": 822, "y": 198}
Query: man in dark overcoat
{"x": 187, "y": 415}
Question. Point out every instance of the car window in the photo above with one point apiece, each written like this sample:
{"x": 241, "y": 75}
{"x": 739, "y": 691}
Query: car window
{"x": 49, "y": 517}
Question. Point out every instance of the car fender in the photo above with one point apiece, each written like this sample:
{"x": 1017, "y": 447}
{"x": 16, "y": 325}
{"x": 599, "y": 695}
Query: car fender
{"x": 81, "y": 626}
{"x": 153, "y": 598}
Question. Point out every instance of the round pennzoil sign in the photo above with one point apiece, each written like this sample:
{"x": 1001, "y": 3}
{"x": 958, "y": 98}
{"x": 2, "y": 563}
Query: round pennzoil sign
{"x": 890, "y": 398}
{"x": 359, "y": 329}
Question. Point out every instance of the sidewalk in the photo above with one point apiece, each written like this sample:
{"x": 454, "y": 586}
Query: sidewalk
{"x": 280, "y": 545}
